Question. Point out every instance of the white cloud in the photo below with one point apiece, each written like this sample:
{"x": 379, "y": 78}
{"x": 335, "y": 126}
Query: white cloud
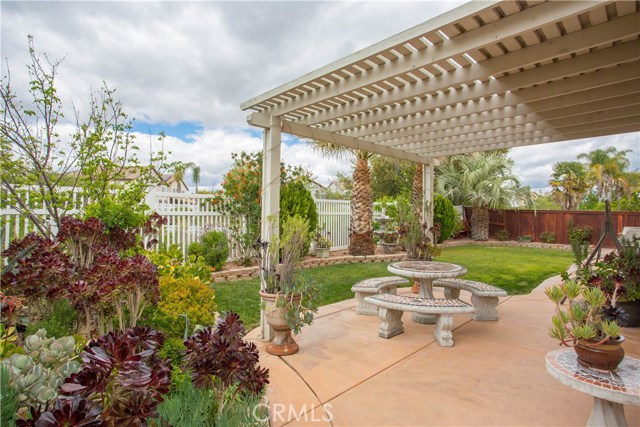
{"x": 195, "y": 62}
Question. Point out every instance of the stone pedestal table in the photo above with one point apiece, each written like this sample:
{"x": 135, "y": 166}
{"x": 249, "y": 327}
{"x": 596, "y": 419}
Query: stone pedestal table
{"x": 610, "y": 390}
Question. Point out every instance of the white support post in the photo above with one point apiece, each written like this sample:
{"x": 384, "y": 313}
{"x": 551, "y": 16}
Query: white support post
{"x": 427, "y": 199}
{"x": 270, "y": 197}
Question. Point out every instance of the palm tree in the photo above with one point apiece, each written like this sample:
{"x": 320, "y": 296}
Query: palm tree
{"x": 178, "y": 173}
{"x": 195, "y": 175}
{"x": 607, "y": 168}
{"x": 417, "y": 191}
{"x": 484, "y": 180}
{"x": 361, "y": 238}
{"x": 569, "y": 182}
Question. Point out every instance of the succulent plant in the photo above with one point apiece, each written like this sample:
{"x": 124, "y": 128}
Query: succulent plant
{"x": 123, "y": 372}
{"x": 72, "y": 412}
{"x": 39, "y": 373}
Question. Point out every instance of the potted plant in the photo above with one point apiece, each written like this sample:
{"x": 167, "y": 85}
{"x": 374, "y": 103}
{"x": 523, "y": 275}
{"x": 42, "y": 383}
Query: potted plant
{"x": 322, "y": 243}
{"x": 289, "y": 300}
{"x": 618, "y": 276}
{"x": 579, "y": 323}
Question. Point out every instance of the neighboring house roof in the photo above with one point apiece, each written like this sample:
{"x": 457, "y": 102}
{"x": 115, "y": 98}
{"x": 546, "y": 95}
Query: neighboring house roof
{"x": 337, "y": 186}
{"x": 129, "y": 173}
{"x": 170, "y": 178}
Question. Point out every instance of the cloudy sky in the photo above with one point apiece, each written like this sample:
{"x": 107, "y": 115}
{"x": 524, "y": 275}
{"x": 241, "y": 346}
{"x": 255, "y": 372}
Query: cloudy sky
{"x": 185, "y": 67}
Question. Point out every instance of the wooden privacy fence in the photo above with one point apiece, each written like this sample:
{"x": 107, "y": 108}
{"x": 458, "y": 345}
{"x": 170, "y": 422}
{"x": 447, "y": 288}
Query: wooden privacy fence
{"x": 528, "y": 222}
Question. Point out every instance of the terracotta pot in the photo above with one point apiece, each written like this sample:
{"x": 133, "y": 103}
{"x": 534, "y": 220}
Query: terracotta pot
{"x": 283, "y": 343}
{"x": 603, "y": 357}
{"x": 631, "y": 316}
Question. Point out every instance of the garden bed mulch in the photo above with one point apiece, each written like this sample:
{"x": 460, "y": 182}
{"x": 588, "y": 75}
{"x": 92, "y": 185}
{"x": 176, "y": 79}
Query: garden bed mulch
{"x": 234, "y": 272}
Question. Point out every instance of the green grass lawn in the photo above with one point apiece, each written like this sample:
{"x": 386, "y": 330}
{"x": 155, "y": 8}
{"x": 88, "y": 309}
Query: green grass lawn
{"x": 516, "y": 270}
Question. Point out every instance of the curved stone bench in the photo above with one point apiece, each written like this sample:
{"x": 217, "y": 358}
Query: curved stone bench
{"x": 391, "y": 308}
{"x": 484, "y": 298}
{"x": 377, "y": 285}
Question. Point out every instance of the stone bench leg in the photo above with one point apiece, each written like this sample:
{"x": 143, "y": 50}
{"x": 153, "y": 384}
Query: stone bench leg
{"x": 390, "y": 322}
{"x": 451, "y": 293}
{"x": 366, "y": 309}
{"x": 444, "y": 325}
{"x": 485, "y": 307}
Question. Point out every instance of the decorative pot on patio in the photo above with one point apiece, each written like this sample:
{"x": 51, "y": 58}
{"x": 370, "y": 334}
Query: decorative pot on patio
{"x": 283, "y": 343}
{"x": 602, "y": 357}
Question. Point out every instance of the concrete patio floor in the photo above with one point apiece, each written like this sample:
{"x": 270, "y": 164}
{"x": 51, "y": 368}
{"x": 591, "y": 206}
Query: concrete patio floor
{"x": 345, "y": 375}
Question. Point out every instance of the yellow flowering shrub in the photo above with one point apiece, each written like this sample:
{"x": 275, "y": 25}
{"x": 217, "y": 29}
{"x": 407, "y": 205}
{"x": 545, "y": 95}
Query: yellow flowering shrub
{"x": 184, "y": 295}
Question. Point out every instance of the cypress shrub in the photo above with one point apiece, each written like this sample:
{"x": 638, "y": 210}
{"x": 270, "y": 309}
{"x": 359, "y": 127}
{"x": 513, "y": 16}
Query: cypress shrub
{"x": 445, "y": 215}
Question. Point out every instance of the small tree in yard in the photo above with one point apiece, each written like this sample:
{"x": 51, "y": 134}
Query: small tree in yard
{"x": 240, "y": 198}
{"x": 37, "y": 162}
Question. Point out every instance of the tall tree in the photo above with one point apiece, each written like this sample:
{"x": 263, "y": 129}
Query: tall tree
{"x": 417, "y": 190}
{"x": 361, "y": 238}
{"x": 484, "y": 180}
{"x": 607, "y": 169}
{"x": 390, "y": 177}
{"x": 94, "y": 160}
{"x": 195, "y": 175}
{"x": 569, "y": 183}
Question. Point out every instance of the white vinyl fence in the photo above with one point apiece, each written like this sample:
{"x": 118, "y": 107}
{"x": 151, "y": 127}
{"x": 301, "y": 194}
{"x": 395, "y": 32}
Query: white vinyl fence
{"x": 188, "y": 217}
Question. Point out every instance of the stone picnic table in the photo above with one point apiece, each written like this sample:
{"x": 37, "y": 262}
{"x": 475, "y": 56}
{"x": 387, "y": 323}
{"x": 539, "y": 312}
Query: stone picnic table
{"x": 426, "y": 272}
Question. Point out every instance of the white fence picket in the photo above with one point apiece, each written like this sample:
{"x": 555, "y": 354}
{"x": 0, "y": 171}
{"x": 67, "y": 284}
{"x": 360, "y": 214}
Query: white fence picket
{"x": 188, "y": 216}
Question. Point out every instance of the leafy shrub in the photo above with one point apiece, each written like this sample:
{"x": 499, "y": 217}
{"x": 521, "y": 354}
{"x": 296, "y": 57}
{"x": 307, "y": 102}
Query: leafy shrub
{"x": 502, "y": 235}
{"x": 184, "y": 296}
{"x": 59, "y": 322}
{"x": 172, "y": 349}
{"x": 220, "y": 359}
{"x": 295, "y": 199}
{"x": 579, "y": 237}
{"x": 445, "y": 215}
{"x": 187, "y": 404}
{"x": 547, "y": 237}
{"x": 525, "y": 238}
{"x": 213, "y": 247}
{"x": 123, "y": 372}
{"x": 169, "y": 263}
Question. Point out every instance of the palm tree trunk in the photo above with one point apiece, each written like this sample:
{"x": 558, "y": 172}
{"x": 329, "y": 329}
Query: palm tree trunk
{"x": 361, "y": 239}
{"x": 479, "y": 223}
{"x": 417, "y": 191}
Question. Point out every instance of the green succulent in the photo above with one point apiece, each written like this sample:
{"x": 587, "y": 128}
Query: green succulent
{"x": 38, "y": 373}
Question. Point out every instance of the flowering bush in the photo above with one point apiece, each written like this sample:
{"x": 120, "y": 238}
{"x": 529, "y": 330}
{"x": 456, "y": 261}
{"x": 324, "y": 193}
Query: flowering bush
{"x": 179, "y": 296}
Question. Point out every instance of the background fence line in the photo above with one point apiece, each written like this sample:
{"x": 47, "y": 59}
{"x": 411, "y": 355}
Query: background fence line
{"x": 188, "y": 216}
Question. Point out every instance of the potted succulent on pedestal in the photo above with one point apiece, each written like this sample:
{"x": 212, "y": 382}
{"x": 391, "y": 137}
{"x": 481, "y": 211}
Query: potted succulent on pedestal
{"x": 322, "y": 242}
{"x": 289, "y": 300}
{"x": 580, "y": 324}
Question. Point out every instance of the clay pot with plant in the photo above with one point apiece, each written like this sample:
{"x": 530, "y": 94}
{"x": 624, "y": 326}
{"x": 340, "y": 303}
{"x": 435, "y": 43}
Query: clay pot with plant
{"x": 289, "y": 299}
{"x": 579, "y": 323}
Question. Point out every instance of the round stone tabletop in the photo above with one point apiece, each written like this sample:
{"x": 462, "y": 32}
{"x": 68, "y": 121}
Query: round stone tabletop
{"x": 426, "y": 269}
{"x": 620, "y": 386}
